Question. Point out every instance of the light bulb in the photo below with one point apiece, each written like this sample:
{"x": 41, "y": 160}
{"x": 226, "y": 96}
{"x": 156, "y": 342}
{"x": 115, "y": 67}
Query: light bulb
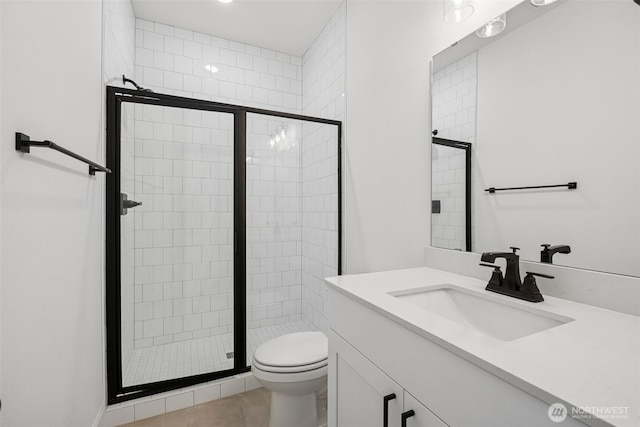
{"x": 493, "y": 27}
{"x": 456, "y": 11}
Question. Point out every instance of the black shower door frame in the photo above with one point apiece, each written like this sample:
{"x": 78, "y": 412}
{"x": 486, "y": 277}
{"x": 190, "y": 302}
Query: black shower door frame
{"x": 466, "y": 147}
{"x": 116, "y": 392}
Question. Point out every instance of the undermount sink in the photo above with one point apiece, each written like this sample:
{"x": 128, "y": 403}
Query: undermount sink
{"x": 491, "y": 316}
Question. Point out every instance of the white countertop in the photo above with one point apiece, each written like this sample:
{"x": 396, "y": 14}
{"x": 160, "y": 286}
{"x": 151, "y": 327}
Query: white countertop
{"x": 591, "y": 362}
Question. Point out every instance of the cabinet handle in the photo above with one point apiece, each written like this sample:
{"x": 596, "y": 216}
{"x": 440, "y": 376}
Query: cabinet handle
{"x": 410, "y": 413}
{"x": 385, "y": 409}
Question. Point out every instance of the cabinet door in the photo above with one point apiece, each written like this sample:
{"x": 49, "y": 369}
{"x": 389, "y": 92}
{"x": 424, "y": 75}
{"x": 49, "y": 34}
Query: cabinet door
{"x": 357, "y": 390}
{"x": 421, "y": 417}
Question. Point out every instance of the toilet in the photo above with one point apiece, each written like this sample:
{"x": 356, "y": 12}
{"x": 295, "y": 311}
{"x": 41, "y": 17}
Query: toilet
{"x": 294, "y": 368}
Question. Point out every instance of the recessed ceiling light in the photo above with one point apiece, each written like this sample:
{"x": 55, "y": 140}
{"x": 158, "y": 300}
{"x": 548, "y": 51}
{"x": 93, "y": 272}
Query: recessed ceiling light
{"x": 225, "y": 1}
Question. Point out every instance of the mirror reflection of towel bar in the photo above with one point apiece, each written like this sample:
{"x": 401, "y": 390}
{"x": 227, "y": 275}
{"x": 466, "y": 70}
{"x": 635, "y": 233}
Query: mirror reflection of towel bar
{"x": 570, "y": 186}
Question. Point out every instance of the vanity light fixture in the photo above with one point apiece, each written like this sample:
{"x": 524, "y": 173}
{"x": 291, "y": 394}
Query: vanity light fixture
{"x": 539, "y": 3}
{"x": 456, "y": 11}
{"x": 493, "y": 27}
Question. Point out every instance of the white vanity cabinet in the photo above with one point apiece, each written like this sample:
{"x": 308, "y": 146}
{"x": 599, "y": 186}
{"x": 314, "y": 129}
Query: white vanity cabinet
{"x": 366, "y": 396}
{"x": 372, "y": 356}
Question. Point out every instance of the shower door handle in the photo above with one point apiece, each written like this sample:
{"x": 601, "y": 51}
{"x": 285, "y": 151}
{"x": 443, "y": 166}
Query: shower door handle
{"x": 125, "y": 204}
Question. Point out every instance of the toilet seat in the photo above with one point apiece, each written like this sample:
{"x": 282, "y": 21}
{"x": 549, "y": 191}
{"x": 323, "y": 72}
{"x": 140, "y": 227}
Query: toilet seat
{"x": 290, "y": 369}
{"x": 300, "y": 351}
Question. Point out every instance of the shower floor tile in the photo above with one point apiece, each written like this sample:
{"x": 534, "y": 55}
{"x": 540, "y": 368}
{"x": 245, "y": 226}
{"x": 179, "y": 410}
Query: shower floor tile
{"x": 197, "y": 356}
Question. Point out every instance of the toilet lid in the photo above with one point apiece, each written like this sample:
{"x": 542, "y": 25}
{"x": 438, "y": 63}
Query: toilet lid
{"x": 300, "y": 348}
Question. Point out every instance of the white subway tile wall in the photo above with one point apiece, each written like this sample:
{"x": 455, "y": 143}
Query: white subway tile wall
{"x": 454, "y": 116}
{"x": 454, "y": 91}
{"x": 184, "y": 227}
{"x": 274, "y": 228}
{"x": 323, "y": 96}
{"x": 180, "y": 62}
{"x": 176, "y": 61}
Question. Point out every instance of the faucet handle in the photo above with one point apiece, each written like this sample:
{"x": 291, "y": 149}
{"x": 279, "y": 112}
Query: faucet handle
{"x": 496, "y": 280}
{"x": 484, "y": 264}
{"x": 530, "y": 288}
{"x": 541, "y": 275}
{"x": 514, "y": 249}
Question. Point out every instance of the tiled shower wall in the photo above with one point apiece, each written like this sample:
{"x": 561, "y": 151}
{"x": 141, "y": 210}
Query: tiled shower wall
{"x": 454, "y": 100}
{"x": 323, "y": 79}
{"x": 177, "y": 61}
{"x": 184, "y": 227}
{"x": 274, "y": 234}
{"x": 454, "y": 116}
{"x": 172, "y": 60}
{"x": 286, "y": 262}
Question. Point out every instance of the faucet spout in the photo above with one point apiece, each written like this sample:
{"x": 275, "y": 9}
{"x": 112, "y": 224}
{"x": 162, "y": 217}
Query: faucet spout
{"x": 512, "y": 280}
{"x": 546, "y": 255}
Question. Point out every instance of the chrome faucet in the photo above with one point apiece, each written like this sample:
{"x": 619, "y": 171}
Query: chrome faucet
{"x": 511, "y": 284}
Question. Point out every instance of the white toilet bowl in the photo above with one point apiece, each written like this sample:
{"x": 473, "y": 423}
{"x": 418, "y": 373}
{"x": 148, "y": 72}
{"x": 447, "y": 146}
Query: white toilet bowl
{"x": 294, "y": 368}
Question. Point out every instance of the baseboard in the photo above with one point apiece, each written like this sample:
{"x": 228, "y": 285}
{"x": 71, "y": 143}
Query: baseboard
{"x": 98, "y": 419}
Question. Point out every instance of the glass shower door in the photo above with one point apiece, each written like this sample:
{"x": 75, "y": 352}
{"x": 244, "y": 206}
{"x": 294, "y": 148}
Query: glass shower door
{"x": 451, "y": 195}
{"x": 177, "y": 243}
{"x": 222, "y": 222}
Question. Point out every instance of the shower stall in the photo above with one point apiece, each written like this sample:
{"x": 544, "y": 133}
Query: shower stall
{"x": 222, "y": 222}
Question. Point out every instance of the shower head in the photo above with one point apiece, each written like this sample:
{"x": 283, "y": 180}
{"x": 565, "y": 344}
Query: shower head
{"x": 125, "y": 80}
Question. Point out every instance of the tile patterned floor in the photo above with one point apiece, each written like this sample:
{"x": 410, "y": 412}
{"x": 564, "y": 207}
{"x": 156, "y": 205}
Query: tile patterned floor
{"x": 250, "y": 409}
{"x": 197, "y": 356}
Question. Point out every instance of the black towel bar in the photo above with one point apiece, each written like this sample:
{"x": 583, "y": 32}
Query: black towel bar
{"x": 23, "y": 142}
{"x": 570, "y": 186}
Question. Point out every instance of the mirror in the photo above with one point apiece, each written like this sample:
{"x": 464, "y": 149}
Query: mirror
{"x": 554, "y": 99}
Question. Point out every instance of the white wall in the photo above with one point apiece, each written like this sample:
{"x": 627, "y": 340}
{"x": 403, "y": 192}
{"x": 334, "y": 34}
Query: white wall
{"x": 52, "y": 248}
{"x": 586, "y": 131}
{"x": 0, "y": 208}
{"x": 387, "y": 161}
